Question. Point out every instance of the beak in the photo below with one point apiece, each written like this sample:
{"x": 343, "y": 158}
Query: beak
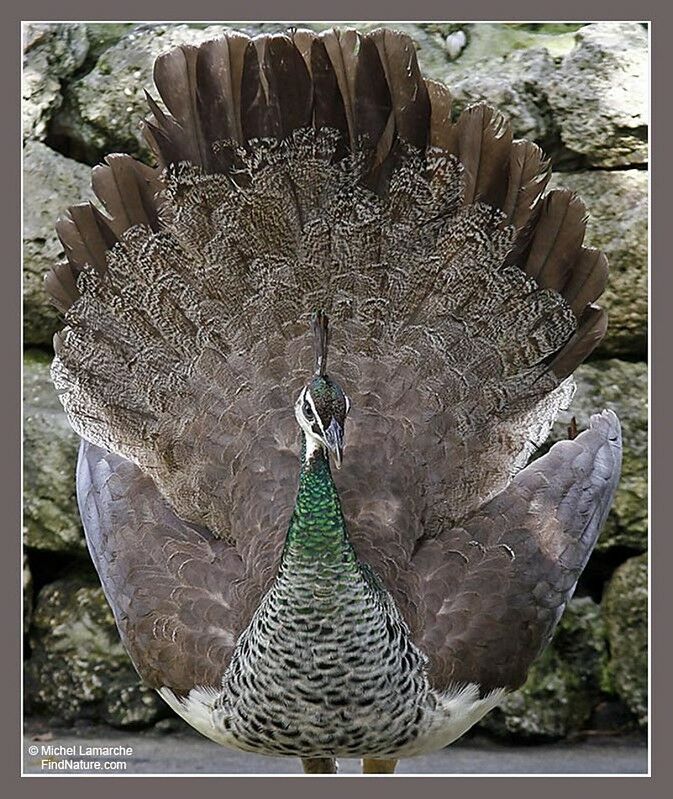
{"x": 334, "y": 439}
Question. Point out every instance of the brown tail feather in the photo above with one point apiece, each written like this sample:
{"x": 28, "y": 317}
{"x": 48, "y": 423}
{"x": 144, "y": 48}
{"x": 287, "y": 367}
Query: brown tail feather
{"x": 86, "y": 236}
{"x": 289, "y": 82}
{"x": 529, "y": 173}
{"x": 175, "y": 79}
{"x": 409, "y": 94}
{"x": 587, "y": 279}
{"x": 483, "y": 143}
{"x": 163, "y": 135}
{"x": 219, "y": 72}
{"x": 593, "y": 324}
{"x": 60, "y": 282}
{"x": 440, "y": 115}
{"x": 329, "y": 109}
{"x": 557, "y": 239}
{"x": 339, "y": 48}
{"x": 276, "y": 95}
{"x": 128, "y": 191}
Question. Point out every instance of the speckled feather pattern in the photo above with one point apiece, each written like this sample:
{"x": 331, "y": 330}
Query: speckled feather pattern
{"x": 326, "y": 665}
{"x": 176, "y": 323}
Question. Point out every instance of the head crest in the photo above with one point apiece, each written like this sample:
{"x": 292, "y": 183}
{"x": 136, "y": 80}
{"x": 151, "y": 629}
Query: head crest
{"x": 320, "y": 341}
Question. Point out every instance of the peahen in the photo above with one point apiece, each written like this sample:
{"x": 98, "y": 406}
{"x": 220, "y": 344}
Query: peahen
{"x": 381, "y": 610}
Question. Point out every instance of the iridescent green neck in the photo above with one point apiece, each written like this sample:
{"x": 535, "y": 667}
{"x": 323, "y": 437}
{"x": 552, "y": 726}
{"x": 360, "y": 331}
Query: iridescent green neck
{"x": 317, "y": 529}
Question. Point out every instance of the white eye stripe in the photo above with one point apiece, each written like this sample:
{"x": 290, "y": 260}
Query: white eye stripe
{"x": 308, "y": 398}
{"x": 348, "y": 403}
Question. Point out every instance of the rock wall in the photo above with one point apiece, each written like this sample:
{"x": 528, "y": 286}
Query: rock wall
{"x": 579, "y": 91}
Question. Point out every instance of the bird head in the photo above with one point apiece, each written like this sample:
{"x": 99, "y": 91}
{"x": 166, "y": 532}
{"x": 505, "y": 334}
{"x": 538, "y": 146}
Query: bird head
{"x": 321, "y": 411}
{"x": 322, "y": 406}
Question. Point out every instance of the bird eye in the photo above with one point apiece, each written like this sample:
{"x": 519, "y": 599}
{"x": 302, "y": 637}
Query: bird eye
{"x": 307, "y": 410}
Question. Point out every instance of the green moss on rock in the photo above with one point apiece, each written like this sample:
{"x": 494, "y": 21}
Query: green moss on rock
{"x": 547, "y": 27}
{"x": 103, "y": 110}
{"x": 78, "y": 668}
{"x": 625, "y": 611}
{"x": 50, "y": 516}
{"x": 563, "y": 686}
{"x": 599, "y": 95}
{"x": 103, "y": 35}
{"x": 52, "y": 52}
{"x": 51, "y": 183}
{"x": 27, "y": 595}
{"x": 490, "y": 42}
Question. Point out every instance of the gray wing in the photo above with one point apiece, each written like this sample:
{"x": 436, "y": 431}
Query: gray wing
{"x": 495, "y": 588}
{"x": 179, "y": 595}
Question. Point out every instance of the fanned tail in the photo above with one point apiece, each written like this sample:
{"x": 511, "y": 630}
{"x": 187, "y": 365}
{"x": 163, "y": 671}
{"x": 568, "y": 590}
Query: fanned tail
{"x": 311, "y": 171}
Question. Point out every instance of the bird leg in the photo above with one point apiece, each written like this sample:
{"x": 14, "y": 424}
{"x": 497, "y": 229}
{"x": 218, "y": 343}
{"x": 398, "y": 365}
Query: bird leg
{"x": 319, "y": 765}
{"x": 372, "y": 766}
